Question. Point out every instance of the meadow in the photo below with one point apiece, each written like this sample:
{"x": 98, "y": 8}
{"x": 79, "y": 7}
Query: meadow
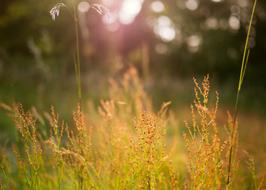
{"x": 123, "y": 140}
{"x": 124, "y": 144}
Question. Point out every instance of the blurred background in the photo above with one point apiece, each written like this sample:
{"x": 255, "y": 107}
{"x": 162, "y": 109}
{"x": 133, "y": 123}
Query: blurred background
{"x": 168, "y": 41}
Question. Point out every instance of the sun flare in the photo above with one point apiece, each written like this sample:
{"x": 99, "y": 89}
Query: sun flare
{"x": 129, "y": 10}
{"x": 124, "y": 11}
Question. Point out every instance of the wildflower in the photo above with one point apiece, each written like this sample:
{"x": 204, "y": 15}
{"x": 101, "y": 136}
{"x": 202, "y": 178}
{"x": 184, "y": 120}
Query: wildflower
{"x": 54, "y": 12}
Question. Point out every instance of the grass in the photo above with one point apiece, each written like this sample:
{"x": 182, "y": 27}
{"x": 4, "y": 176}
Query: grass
{"x": 124, "y": 142}
{"x": 245, "y": 60}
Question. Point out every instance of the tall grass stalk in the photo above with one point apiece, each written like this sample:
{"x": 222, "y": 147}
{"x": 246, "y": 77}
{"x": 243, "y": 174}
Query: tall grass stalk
{"x": 245, "y": 59}
{"x": 54, "y": 12}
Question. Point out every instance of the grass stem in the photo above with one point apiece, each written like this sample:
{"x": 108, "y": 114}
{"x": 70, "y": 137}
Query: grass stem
{"x": 245, "y": 59}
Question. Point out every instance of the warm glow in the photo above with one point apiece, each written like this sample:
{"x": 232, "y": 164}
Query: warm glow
{"x": 193, "y": 43}
{"x": 164, "y": 28}
{"x": 121, "y": 12}
{"x": 212, "y": 23}
{"x": 192, "y": 4}
{"x": 108, "y": 2}
{"x": 243, "y": 3}
{"x": 83, "y": 6}
{"x": 109, "y": 18}
{"x": 217, "y": 1}
{"x": 234, "y": 23}
{"x": 157, "y": 6}
{"x": 110, "y": 21}
{"x": 129, "y": 10}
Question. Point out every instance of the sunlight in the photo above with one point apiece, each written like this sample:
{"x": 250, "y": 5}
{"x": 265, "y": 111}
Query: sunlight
{"x": 83, "y": 6}
{"x": 132, "y": 95}
{"x": 120, "y": 12}
{"x": 157, "y": 6}
{"x": 193, "y": 43}
{"x": 108, "y": 2}
{"x": 129, "y": 10}
{"x": 234, "y": 23}
{"x": 217, "y": 1}
{"x": 192, "y": 5}
{"x": 110, "y": 21}
{"x": 164, "y": 28}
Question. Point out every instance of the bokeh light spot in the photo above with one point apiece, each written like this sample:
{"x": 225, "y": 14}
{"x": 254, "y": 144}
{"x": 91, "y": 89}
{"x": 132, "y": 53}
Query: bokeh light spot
{"x": 83, "y": 6}
{"x": 192, "y": 5}
{"x": 193, "y": 43}
{"x": 157, "y": 6}
{"x": 212, "y": 23}
{"x": 164, "y": 28}
{"x": 234, "y": 23}
{"x": 217, "y": 1}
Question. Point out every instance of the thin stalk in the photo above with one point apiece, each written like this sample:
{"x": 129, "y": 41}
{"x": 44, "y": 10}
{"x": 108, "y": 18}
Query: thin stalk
{"x": 245, "y": 59}
{"x": 5, "y": 180}
{"x": 245, "y": 67}
{"x": 59, "y": 176}
{"x": 77, "y": 54}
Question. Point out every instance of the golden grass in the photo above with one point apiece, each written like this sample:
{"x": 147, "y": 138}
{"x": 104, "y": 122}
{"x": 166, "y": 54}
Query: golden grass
{"x": 123, "y": 144}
